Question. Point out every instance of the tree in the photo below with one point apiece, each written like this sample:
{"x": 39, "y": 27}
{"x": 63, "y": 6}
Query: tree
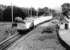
{"x": 7, "y": 14}
{"x": 66, "y": 9}
{"x": 65, "y": 6}
{"x": 46, "y": 11}
{"x": 40, "y": 12}
{"x": 2, "y": 8}
{"x": 32, "y": 12}
{"x": 17, "y": 12}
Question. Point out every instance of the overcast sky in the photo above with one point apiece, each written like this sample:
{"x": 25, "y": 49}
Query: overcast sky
{"x": 35, "y": 3}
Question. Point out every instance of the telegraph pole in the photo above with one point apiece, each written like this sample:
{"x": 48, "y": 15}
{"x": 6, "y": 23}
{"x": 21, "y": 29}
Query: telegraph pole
{"x": 12, "y": 11}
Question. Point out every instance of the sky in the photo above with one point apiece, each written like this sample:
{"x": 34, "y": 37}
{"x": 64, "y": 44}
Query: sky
{"x": 54, "y": 4}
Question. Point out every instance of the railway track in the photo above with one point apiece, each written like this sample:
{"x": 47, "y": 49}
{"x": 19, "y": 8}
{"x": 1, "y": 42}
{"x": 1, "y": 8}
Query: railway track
{"x": 7, "y": 43}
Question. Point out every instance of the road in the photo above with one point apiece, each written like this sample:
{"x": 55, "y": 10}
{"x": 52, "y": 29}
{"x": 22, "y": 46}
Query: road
{"x": 36, "y": 40}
